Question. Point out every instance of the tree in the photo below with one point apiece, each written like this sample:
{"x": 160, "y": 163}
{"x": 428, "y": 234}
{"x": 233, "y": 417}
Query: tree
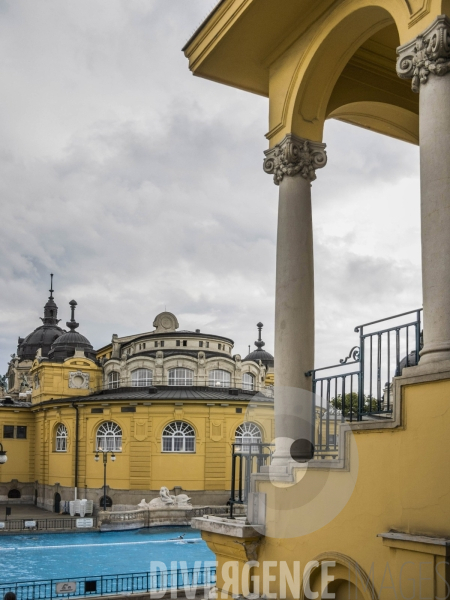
{"x": 350, "y": 405}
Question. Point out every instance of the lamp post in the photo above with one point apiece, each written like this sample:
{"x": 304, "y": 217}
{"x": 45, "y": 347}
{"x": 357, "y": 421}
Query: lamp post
{"x": 105, "y": 460}
{"x": 3, "y": 457}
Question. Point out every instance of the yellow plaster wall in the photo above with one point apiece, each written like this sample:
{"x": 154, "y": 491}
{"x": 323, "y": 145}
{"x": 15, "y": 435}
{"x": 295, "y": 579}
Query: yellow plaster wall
{"x": 141, "y": 464}
{"x": 54, "y": 379}
{"x": 19, "y": 464}
{"x": 402, "y": 484}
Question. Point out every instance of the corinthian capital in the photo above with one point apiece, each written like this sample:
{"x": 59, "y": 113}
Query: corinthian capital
{"x": 428, "y": 54}
{"x": 294, "y": 156}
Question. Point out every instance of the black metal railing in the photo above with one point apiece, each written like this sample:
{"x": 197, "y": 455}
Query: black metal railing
{"x": 246, "y": 459}
{"x": 56, "y": 524}
{"x": 361, "y": 386}
{"x": 110, "y": 585}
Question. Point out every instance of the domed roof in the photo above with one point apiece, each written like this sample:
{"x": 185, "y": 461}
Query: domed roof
{"x": 259, "y": 354}
{"x": 44, "y": 336}
{"x": 66, "y": 344}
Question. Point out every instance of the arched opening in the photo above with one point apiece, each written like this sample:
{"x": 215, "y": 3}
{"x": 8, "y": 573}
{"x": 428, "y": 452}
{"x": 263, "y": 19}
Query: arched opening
{"x": 354, "y": 60}
{"x": 349, "y": 580}
{"x": 14, "y": 494}
{"x": 109, "y": 437}
{"x": 61, "y": 438}
{"x": 248, "y": 434}
{"x": 178, "y": 437}
{"x": 108, "y": 503}
{"x": 57, "y": 503}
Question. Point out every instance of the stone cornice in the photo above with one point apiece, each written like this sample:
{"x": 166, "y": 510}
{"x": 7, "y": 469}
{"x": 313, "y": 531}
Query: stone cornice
{"x": 293, "y": 156}
{"x": 428, "y": 54}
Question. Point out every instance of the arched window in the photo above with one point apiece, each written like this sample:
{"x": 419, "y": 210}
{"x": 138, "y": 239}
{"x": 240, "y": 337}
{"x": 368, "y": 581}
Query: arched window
{"x": 109, "y": 437}
{"x": 113, "y": 380}
{"x": 248, "y": 381}
{"x": 181, "y": 376}
{"x": 142, "y": 378}
{"x": 178, "y": 437}
{"x": 14, "y": 494}
{"x": 61, "y": 438}
{"x": 247, "y": 434}
{"x": 219, "y": 378}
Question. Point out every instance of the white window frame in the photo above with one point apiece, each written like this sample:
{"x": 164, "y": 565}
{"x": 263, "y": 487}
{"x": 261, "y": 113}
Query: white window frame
{"x": 181, "y": 376}
{"x": 178, "y": 437}
{"x": 61, "y": 438}
{"x": 219, "y": 378}
{"x": 250, "y": 383}
{"x": 113, "y": 380}
{"x": 109, "y": 437}
{"x": 246, "y": 434}
{"x": 142, "y": 377}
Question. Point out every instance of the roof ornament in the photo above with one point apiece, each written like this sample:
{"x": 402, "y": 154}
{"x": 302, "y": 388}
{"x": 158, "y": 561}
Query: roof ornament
{"x": 51, "y": 287}
{"x": 72, "y": 324}
{"x": 259, "y": 343}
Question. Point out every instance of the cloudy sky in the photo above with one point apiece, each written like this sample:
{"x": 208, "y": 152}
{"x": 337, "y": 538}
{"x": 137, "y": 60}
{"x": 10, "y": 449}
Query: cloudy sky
{"x": 141, "y": 187}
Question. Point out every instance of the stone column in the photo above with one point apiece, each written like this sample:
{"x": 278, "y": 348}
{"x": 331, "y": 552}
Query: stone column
{"x": 426, "y": 60}
{"x": 293, "y": 163}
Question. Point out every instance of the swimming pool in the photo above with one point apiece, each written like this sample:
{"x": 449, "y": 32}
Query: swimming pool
{"x": 63, "y": 555}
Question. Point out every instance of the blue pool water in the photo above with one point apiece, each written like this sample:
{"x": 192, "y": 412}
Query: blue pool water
{"x": 59, "y": 556}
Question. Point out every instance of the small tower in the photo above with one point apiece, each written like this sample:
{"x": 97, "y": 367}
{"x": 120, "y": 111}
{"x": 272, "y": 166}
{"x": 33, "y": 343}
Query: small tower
{"x": 50, "y": 309}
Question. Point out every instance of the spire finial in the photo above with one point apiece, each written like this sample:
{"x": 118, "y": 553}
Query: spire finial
{"x": 51, "y": 287}
{"x": 72, "y": 324}
{"x": 259, "y": 343}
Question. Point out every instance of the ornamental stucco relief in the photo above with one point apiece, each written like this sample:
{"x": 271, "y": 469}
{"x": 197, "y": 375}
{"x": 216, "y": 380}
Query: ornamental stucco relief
{"x": 79, "y": 380}
{"x": 295, "y": 156}
{"x": 428, "y": 54}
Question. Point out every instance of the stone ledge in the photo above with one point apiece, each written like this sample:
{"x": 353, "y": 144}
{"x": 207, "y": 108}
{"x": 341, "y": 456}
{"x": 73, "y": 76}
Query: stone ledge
{"x": 416, "y": 543}
{"x": 231, "y": 527}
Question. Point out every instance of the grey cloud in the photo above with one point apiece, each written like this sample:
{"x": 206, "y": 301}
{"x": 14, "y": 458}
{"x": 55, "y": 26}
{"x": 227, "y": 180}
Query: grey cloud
{"x": 141, "y": 187}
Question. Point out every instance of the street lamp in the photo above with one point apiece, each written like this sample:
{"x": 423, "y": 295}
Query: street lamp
{"x": 3, "y": 457}
{"x": 105, "y": 460}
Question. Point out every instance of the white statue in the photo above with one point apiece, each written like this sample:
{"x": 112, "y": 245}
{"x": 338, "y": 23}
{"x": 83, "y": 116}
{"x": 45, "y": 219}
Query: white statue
{"x": 165, "y": 499}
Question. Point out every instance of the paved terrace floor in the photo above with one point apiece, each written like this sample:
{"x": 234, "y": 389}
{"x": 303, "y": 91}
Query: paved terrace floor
{"x": 28, "y": 511}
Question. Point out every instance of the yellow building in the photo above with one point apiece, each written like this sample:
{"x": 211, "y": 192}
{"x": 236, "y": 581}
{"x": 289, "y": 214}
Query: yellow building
{"x": 375, "y": 522}
{"x": 168, "y": 403}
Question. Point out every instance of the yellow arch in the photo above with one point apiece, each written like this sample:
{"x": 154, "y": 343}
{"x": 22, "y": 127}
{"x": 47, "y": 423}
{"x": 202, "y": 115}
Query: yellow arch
{"x": 346, "y": 571}
{"x": 334, "y": 41}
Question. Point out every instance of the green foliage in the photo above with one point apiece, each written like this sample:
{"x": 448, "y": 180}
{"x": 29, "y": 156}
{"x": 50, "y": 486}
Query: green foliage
{"x": 350, "y": 404}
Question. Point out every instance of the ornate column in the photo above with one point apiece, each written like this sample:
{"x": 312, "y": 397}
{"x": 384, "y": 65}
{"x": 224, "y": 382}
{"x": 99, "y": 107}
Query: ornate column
{"x": 293, "y": 164}
{"x": 426, "y": 60}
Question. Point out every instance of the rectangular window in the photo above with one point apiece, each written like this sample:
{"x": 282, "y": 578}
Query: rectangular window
{"x": 184, "y": 342}
{"x": 144, "y": 345}
{"x": 178, "y": 343}
{"x": 128, "y": 409}
{"x": 207, "y": 344}
{"x": 239, "y": 411}
{"x": 8, "y": 431}
{"x": 200, "y": 344}
{"x": 21, "y": 432}
{"x": 162, "y": 344}
{"x": 220, "y": 346}
{"x": 156, "y": 344}
{"x": 97, "y": 411}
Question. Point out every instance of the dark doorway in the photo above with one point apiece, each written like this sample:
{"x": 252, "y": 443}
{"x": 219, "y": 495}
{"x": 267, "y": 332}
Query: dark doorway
{"x": 108, "y": 502}
{"x": 14, "y": 494}
{"x": 57, "y": 502}
{"x": 35, "y": 497}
